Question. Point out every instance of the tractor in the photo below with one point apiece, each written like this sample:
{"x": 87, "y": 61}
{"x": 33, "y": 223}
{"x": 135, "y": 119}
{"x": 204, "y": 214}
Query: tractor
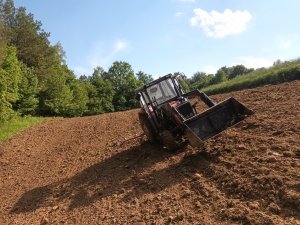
{"x": 174, "y": 118}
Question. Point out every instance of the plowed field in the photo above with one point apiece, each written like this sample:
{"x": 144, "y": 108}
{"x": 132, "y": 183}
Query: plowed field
{"x": 80, "y": 170}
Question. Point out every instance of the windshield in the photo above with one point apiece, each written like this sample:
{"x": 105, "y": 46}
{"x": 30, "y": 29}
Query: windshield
{"x": 161, "y": 92}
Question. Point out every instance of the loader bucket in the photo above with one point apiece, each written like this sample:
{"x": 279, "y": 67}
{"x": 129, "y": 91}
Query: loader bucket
{"x": 215, "y": 120}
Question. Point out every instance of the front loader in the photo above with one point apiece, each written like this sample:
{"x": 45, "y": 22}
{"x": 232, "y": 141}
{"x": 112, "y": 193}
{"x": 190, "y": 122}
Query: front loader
{"x": 174, "y": 118}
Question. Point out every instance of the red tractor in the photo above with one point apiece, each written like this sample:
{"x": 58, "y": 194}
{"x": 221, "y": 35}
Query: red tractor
{"x": 170, "y": 116}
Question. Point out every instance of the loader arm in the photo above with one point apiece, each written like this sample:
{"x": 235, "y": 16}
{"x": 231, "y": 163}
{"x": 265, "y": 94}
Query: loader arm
{"x": 201, "y": 96}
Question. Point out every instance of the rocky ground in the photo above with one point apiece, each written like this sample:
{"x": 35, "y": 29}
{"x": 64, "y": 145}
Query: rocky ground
{"x": 83, "y": 171}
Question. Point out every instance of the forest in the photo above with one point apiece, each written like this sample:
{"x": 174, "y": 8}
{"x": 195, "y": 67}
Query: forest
{"x": 35, "y": 79}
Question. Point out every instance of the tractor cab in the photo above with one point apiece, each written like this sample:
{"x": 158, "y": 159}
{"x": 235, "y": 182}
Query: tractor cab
{"x": 160, "y": 91}
{"x": 166, "y": 92}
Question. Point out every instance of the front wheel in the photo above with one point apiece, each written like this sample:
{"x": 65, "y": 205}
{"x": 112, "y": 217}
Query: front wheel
{"x": 169, "y": 141}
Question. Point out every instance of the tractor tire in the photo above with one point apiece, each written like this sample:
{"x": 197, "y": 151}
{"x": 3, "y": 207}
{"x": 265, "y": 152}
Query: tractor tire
{"x": 147, "y": 128}
{"x": 169, "y": 141}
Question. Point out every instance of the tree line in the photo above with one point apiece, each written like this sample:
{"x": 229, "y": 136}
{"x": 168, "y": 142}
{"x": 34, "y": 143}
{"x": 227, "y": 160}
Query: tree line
{"x": 35, "y": 80}
{"x": 200, "y": 80}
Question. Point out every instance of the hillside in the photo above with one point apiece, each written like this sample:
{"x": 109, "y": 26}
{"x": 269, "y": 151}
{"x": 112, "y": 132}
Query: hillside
{"x": 79, "y": 170}
{"x": 284, "y": 72}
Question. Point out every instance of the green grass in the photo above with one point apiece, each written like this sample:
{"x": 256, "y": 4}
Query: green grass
{"x": 287, "y": 71}
{"x": 17, "y": 124}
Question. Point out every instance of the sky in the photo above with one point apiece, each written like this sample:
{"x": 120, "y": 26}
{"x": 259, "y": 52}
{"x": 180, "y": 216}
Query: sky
{"x": 166, "y": 36}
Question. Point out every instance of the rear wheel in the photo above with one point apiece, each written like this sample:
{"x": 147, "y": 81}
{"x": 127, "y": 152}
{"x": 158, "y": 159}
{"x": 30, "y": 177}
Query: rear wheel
{"x": 147, "y": 127}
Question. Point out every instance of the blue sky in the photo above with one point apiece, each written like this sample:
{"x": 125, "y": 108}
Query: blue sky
{"x": 166, "y": 36}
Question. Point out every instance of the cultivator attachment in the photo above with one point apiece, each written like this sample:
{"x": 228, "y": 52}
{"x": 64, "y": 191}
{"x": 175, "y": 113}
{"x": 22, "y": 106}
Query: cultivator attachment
{"x": 214, "y": 120}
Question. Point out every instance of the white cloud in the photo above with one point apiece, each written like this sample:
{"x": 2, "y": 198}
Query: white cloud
{"x": 209, "y": 69}
{"x": 253, "y": 62}
{"x": 99, "y": 57}
{"x": 120, "y": 45}
{"x": 102, "y": 55}
{"x": 219, "y": 25}
{"x": 179, "y": 14}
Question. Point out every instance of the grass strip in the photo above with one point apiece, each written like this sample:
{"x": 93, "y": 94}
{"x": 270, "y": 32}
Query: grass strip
{"x": 287, "y": 71}
{"x": 18, "y": 124}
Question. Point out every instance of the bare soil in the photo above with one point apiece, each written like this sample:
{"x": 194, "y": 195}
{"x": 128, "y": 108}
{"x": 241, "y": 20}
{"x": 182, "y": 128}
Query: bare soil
{"x": 80, "y": 170}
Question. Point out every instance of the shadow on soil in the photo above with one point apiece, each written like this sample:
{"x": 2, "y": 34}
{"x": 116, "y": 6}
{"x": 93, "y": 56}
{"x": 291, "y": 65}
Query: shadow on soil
{"x": 127, "y": 175}
{"x": 119, "y": 174}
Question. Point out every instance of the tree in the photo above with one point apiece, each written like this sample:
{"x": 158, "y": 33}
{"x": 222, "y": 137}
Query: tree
{"x": 100, "y": 93}
{"x": 80, "y": 99}
{"x": 122, "y": 77}
{"x": 34, "y": 77}
{"x": 55, "y": 99}
{"x": 94, "y": 103}
{"x": 219, "y": 77}
{"x": 200, "y": 80}
{"x": 6, "y": 111}
{"x": 226, "y": 70}
{"x": 12, "y": 67}
{"x": 277, "y": 62}
{"x": 62, "y": 94}
{"x": 3, "y": 41}
{"x": 198, "y": 76}
{"x": 99, "y": 72}
{"x": 183, "y": 81}
{"x": 237, "y": 70}
{"x": 184, "y": 84}
{"x": 10, "y": 78}
{"x": 60, "y": 53}
{"x": 144, "y": 78}
{"x": 233, "y": 71}
{"x": 27, "y": 41}
{"x": 7, "y": 12}
{"x": 28, "y": 90}
{"x": 33, "y": 46}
